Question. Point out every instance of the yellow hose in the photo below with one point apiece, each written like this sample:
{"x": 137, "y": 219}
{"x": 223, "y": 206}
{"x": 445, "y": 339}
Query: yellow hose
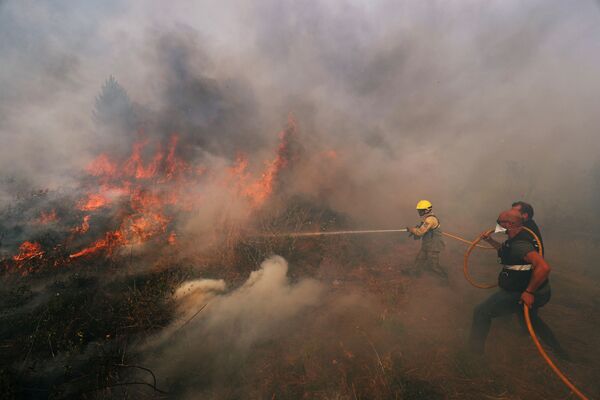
{"x": 466, "y": 264}
{"x": 467, "y": 241}
{"x": 539, "y": 347}
{"x": 546, "y": 358}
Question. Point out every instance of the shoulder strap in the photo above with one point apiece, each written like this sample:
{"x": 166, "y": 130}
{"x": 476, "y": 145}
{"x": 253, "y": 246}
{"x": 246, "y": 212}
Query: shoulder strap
{"x": 437, "y": 221}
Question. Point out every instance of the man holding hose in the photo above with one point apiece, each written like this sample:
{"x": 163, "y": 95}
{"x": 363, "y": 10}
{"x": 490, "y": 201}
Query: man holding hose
{"x": 430, "y": 234}
{"x": 523, "y": 279}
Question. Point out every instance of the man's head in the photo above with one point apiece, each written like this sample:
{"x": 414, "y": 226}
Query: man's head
{"x": 511, "y": 220}
{"x": 525, "y": 209}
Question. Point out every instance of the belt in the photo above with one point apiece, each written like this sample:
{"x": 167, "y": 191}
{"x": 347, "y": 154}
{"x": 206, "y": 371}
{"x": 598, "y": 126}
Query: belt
{"x": 522, "y": 267}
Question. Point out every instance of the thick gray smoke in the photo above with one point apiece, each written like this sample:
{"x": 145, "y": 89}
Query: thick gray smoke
{"x": 469, "y": 105}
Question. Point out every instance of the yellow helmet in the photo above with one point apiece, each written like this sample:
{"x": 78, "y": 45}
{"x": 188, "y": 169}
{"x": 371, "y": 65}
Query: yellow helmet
{"x": 424, "y": 205}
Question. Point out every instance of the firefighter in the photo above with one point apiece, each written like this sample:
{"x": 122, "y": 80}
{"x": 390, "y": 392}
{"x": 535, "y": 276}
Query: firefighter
{"x": 523, "y": 279}
{"x": 428, "y": 231}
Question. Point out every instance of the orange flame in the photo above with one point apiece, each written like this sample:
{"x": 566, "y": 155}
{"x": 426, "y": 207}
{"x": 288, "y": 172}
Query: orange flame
{"x": 150, "y": 185}
{"x": 109, "y": 242}
{"x": 147, "y": 203}
{"x": 239, "y": 168}
{"x": 174, "y": 165}
{"x": 93, "y": 202}
{"x": 102, "y": 166}
{"x": 28, "y": 250}
{"x": 258, "y": 191}
{"x": 84, "y": 227}
{"x": 147, "y": 226}
{"x": 135, "y": 165}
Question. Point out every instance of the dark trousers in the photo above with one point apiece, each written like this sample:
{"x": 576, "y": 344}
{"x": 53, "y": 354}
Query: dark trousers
{"x": 430, "y": 261}
{"x": 505, "y": 303}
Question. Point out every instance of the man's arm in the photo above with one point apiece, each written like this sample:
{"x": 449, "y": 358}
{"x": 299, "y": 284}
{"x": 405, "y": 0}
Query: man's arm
{"x": 423, "y": 229}
{"x": 490, "y": 241}
{"x": 539, "y": 274}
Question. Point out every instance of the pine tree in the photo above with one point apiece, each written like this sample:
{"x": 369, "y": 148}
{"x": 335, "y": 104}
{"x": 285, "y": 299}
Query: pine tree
{"x": 113, "y": 107}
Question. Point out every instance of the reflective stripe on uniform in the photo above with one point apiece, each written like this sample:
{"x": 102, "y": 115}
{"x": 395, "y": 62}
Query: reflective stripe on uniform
{"x": 522, "y": 267}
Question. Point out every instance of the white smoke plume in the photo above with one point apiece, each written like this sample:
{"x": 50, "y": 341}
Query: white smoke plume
{"x": 265, "y": 307}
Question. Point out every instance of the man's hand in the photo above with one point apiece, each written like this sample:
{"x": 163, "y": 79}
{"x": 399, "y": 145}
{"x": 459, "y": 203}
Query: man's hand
{"x": 528, "y": 299}
{"x": 486, "y": 235}
{"x": 412, "y": 232}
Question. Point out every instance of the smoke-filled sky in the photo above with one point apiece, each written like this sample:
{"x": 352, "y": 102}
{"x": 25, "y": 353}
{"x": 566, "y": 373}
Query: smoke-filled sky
{"x": 469, "y": 104}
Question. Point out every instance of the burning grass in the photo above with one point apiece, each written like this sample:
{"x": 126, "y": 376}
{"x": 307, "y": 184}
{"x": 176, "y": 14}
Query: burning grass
{"x": 140, "y": 198}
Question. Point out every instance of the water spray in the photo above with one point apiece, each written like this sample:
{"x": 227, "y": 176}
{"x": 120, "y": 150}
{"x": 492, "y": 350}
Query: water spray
{"x": 361, "y": 232}
{"x": 332, "y": 233}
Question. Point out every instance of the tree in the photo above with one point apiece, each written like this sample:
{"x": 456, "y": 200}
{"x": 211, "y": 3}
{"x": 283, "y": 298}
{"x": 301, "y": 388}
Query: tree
{"x": 113, "y": 107}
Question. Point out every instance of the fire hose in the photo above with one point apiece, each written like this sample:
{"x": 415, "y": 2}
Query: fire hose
{"x": 532, "y": 333}
{"x": 466, "y": 241}
{"x": 359, "y": 232}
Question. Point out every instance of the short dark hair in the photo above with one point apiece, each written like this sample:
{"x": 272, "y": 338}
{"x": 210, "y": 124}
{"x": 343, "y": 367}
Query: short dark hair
{"x": 526, "y": 208}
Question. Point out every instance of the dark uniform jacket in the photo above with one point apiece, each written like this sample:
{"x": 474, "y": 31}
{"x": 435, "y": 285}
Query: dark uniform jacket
{"x": 516, "y": 274}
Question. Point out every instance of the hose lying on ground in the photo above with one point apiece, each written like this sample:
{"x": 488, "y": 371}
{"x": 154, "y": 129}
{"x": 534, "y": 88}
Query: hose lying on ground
{"x": 539, "y": 347}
